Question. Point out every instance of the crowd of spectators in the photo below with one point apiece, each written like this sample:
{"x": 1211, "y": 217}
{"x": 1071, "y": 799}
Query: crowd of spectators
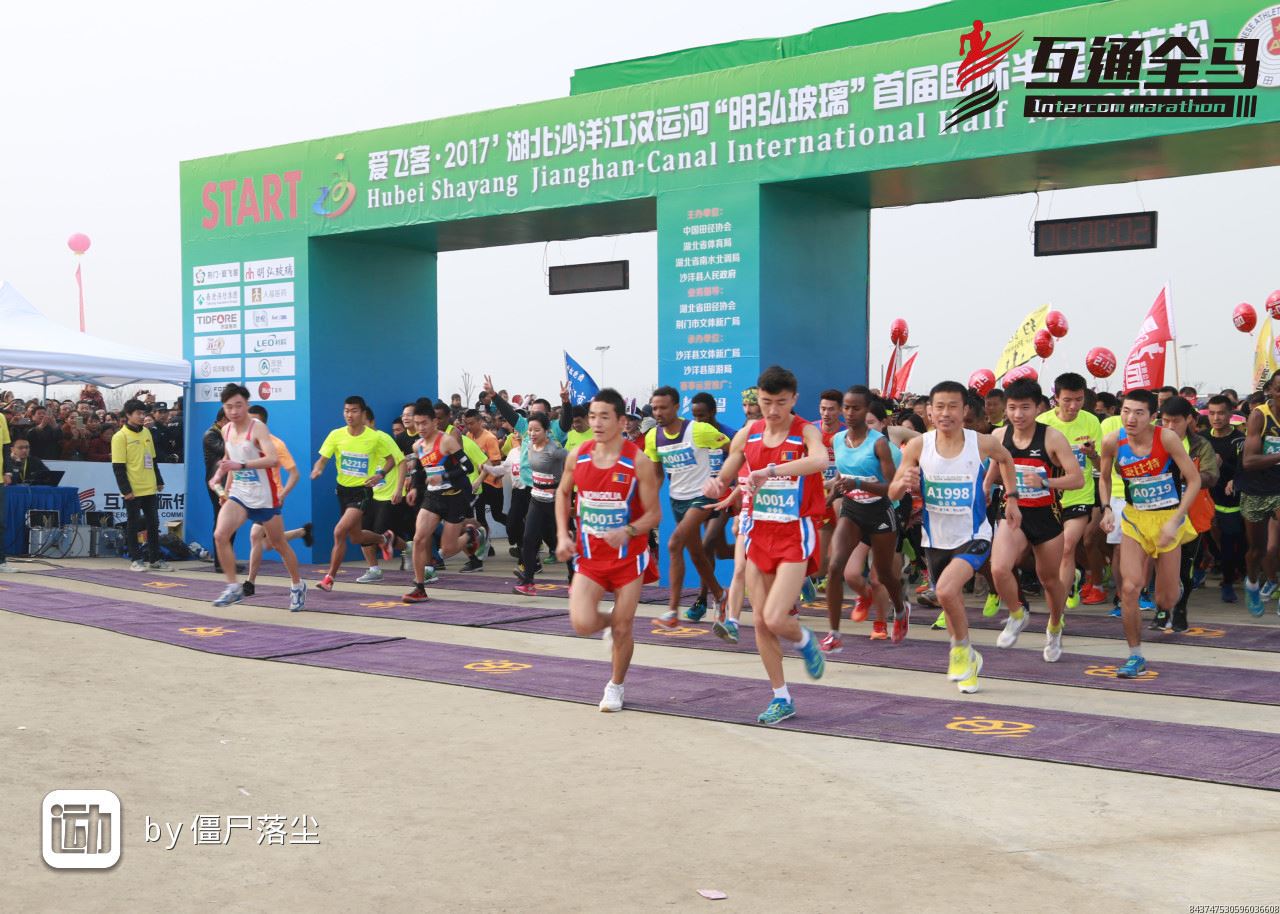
{"x": 81, "y": 429}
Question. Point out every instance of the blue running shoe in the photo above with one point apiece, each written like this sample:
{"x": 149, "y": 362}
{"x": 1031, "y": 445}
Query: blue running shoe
{"x": 1134, "y": 667}
{"x": 779, "y": 710}
{"x": 1253, "y": 598}
{"x": 233, "y": 594}
{"x": 1228, "y": 594}
{"x": 1197, "y": 578}
{"x": 695, "y": 612}
{"x": 1145, "y": 603}
{"x": 808, "y": 593}
{"x": 1116, "y": 612}
{"x": 727, "y": 630}
{"x": 814, "y": 664}
{"x": 1268, "y": 590}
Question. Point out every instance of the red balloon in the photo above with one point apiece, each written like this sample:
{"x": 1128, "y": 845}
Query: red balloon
{"x": 1056, "y": 322}
{"x": 982, "y": 381}
{"x": 1100, "y": 361}
{"x": 1017, "y": 374}
{"x": 79, "y": 242}
{"x": 1044, "y": 343}
{"x": 898, "y": 332}
{"x": 1244, "y": 317}
{"x": 1273, "y": 304}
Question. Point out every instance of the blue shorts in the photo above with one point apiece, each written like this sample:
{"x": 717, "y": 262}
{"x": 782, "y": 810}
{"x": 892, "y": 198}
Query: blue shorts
{"x": 975, "y": 553}
{"x": 680, "y": 507}
{"x": 257, "y": 515}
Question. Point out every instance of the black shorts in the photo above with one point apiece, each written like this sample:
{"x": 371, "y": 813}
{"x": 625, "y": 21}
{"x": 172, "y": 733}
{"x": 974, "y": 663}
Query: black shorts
{"x": 381, "y": 516}
{"x": 975, "y": 553}
{"x": 870, "y": 517}
{"x": 451, "y": 507}
{"x": 354, "y": 497}
{"x": 1039, "y": 525}
{"x": 1085, "y": 511}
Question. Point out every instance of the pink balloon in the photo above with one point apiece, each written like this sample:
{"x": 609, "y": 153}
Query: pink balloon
{"x": 982, "y": 381}
{"x": 1056, "y": 322}
{"x": 1044, "y": 343}
{"x": 1244, "y": 317}
{"x": 79, "y": 242}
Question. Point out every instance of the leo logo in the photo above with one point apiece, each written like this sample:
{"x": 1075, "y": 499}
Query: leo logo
{"x": 202, "y": 631}
{"x": 986, "y": 726}
{"x": 498, "y": 666}
{"x": 679, "y": 631}
{"x": 382, "y": 604}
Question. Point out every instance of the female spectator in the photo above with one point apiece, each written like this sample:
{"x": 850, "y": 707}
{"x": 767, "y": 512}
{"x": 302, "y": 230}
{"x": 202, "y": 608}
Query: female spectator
{"x": 98, "y": 449}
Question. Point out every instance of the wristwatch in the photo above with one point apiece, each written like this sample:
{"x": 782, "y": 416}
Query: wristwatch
{"x": 630, "y": 530}
{"x": 770, "y": 468}
{"x": 1008, "y": 496}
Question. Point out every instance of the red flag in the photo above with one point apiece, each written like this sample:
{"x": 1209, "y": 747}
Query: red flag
{"x": 1144, "y": 368}
{"x": 80, "y": 285}
{"x": 890, "y": 372}
{"x": 901, "y": 377}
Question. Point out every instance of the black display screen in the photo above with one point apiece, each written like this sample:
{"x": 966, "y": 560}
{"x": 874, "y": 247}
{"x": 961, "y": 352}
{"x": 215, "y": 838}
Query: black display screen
{"x": 1092, "y": 234}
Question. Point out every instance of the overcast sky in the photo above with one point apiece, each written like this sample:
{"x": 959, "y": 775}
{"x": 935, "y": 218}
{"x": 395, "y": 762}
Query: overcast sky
{"x": 99, "y": 108}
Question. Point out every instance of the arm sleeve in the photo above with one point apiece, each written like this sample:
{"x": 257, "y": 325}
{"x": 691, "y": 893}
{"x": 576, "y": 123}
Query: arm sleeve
{"x": 566, "y": 417}
{"x": 505, "y": 410}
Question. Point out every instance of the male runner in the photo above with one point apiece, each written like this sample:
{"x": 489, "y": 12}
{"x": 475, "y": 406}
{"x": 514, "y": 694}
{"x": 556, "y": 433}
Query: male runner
{"x": 258, "y": 535}
{"x": 682, "y": 448}
{"x": 386, "y": 514}
{"x": 714, "y": 542}
{"x": 784, "y": 457}
{"x": 364, "y": 460}
{"x": 829, "y": 407}
{"x": 1228, "y": 526}
{"x": 947, "y": 467}
{"x": 864, "y": 460}
{"x": 615, "y": 488}
{"x": 1260, "y": 495}
{"x": 1154, "y": 468}
{"x": 1045, "y": 466}
{"x": 437, "y": 478}
{"x": 1079, "y": 505}
{"x": 251, "y": 494}
{"x": 1179, "y": 416}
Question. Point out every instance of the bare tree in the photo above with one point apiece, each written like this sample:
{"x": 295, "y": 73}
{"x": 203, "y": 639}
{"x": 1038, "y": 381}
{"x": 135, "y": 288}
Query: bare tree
{"x": 468, "y": 388}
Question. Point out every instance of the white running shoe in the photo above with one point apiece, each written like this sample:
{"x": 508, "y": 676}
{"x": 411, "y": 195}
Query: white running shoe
{"x": 6, "y": 568}
{"x": 612, "y": 700}
{"x": 139, "y": 565}
{"x": 1052, "y": 645}
{"x": 298, "y": 597}
{"x": 1013, "y": 627}
{"x": 161, "y": 566}
{"x": 372, "y": 576}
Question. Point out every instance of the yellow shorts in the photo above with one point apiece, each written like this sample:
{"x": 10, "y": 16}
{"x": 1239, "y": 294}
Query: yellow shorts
{"x": 1143, "y": 527}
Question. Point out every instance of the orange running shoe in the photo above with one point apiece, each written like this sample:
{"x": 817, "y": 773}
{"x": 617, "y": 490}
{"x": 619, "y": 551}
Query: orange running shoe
{"x": 860, "y": 609}
{"x": 878, "y": 631}
{"x": 1092, "y": 595}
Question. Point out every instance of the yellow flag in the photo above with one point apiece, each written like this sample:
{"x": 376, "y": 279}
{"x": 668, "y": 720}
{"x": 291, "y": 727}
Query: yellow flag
{"x": 1021, "y": 347}
{"x": 1264, "y": 355}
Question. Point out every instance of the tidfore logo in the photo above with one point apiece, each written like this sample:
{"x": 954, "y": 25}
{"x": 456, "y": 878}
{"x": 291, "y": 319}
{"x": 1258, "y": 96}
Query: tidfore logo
{"x": 80, "y": 829}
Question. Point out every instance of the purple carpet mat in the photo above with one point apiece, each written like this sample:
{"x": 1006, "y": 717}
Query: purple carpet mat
{"x": 1236, "y": 637}
{"x": 1023, "y": 664}
{"x": 232, "y": 638}
{"x": 550, "y": 583}
{"x": 1018, "y": 664}
{"x": 1214, "y": 754}
{"x": 345, "y": 602}
{"x": 1243, "y": 758}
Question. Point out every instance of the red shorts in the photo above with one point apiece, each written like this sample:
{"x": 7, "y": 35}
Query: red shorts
{"x": 612, "y": 574}
{"x": 771, "y": 544}
{"x": 829, "y": 519}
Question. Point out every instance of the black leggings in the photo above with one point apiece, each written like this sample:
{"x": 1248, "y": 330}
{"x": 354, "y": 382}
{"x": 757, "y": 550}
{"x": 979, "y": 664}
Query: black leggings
{"x": 1231, "y": 546}
{"x": 1190, "y": 554}
{"x": 539, "y": 528}
{"x": 140, "y": 510}
{"x": 515, "y": 517}
{"x": 492, "y": 497}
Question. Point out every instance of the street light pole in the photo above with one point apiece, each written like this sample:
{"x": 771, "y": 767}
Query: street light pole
{"x": 1178, "y": 364}
{"x": 602, "y": 350}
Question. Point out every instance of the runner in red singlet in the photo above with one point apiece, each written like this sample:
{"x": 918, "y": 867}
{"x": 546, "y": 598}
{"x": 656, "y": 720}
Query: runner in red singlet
{"x": 785, "y": 458}
{"x": 615, "y": 487}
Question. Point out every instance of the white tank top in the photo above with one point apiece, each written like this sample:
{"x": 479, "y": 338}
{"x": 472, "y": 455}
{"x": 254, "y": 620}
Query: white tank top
{"x": 252, "y": 488}
{"x": 955, "y": 507}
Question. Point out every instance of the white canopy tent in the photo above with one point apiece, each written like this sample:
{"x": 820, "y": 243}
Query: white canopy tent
{"x": 36, "y": 350}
